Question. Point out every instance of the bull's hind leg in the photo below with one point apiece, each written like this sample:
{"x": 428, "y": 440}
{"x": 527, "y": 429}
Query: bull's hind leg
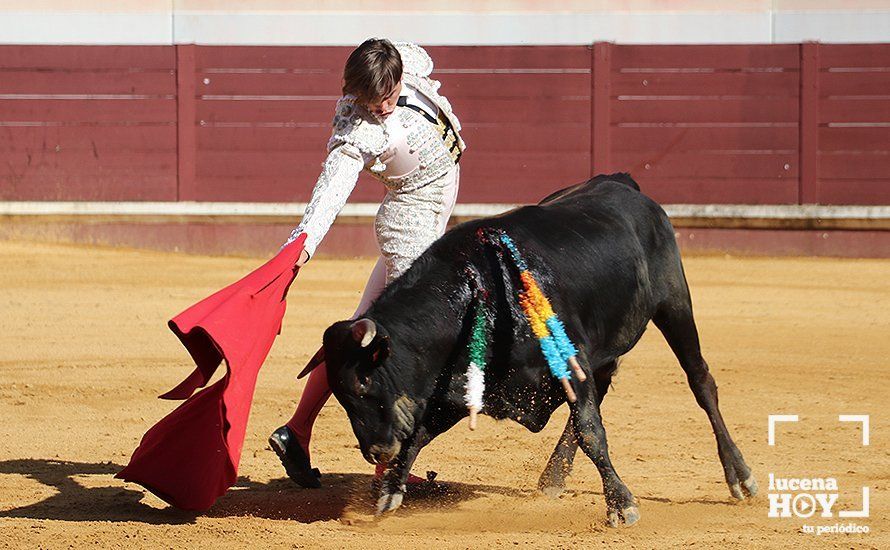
{"x": 620, "y": 503}
{"x": 678, "y": 326}
{"x": 553, "y": 479}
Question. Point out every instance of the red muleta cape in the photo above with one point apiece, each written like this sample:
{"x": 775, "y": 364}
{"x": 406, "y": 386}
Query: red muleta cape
{"x": 190, "y": 457}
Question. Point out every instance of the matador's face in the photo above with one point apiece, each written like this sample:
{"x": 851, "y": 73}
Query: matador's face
{"x": 385, "y": 106}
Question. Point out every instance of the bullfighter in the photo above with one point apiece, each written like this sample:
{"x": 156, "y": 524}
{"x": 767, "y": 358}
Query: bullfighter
{"x": 392, "y": 122}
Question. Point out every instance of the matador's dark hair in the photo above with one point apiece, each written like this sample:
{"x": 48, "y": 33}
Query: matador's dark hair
{"x": 372, "y": 70}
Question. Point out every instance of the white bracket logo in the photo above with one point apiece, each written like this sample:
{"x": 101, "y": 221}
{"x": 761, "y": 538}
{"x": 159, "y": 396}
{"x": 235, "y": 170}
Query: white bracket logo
{"x": 781, "y": 503}
{"x": 771, "y": 428}
{"x": 863, "y": 418}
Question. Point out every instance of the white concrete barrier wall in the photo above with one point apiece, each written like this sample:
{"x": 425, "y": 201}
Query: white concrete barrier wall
{"x": 442, "y": 22}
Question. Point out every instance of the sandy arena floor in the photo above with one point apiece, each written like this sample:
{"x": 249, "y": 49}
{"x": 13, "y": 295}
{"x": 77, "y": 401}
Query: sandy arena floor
{"x": 84, "y": 351}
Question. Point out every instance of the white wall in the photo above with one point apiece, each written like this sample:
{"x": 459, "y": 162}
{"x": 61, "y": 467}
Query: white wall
{"x": 348, "y": 22}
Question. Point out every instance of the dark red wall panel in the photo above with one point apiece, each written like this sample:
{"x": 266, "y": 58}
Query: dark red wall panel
{"x": 525, "y": 112}
{"x": 854, "y": 124}
{"x": 262, "y": 122}
{"x": 707, "y": 124}
{"x": 87, "y": 123}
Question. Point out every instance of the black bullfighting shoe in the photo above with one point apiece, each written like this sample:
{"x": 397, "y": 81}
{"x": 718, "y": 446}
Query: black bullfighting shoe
{"x": 294, "y": 458}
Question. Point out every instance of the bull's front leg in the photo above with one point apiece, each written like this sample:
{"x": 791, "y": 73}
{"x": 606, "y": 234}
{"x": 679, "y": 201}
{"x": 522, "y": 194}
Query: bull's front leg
{"x": 621, "y": 507}
{"x": 553, "y": 479}
{"x": 393, "y": 485}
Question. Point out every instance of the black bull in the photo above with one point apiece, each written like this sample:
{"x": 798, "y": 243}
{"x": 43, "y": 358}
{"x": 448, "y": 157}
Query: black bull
{"x": 607, "y": 258}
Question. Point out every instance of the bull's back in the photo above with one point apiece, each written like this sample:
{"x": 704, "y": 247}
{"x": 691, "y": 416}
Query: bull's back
{"x": 607, "y": 251}
{"x": 607, "y": 216}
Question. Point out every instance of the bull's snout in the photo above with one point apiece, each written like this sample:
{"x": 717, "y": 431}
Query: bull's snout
{"x": 381, "y": 454}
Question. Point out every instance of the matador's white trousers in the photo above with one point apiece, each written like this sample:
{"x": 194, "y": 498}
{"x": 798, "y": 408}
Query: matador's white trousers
{"x": 406, "y": 225}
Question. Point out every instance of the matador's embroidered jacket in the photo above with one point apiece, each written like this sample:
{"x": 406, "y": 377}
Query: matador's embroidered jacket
{"x": 406, "y": 151}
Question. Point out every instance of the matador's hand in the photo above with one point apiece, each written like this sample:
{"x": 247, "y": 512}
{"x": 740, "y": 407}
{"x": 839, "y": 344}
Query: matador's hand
{"x": 304, "y": 257}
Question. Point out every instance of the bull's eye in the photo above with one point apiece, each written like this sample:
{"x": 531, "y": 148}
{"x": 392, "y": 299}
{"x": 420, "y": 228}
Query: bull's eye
{"x": 362, "y": 384}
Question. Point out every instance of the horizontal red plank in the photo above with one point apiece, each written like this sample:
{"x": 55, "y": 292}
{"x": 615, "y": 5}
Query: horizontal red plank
{"x": 87, "y": 138}
{"x": 326, "y": 58}
{"x": 522, "y": 188}
{"x": 296, "y": 187}
{"x": 309, "y": 140}
{"x": 256, "y": 111}
{"x": 700, "y": 165}
{"x": 854, "y": 55}
{"x": 549, "y": 86}
{"x": 258, "y": 163}
{"x": 676, "y": 139}
{"x": 856, "y": 166}
{"x": 704, "y": 84}
{"x": 718, "y": 190}
{"x": 568, "y": 137}
{"x": 511, "y": 111}
{"x": 268, "y": 83}
{"x": 706, "y": 56}
{"x": 88, "y": 111}
{"x": 854, "y": 110}
{"x": 450, "y": 58}
{"x": 90, "y": 161}
{"x": 91, "y": 58}
{"x": 847, "y": 83}
{"x": 63, "y": 82}
{"x": 846, "y": 191}
{"x": 68, "y": 186}
{"x": 723, "y": 110}
{"x": 854, "y": 139}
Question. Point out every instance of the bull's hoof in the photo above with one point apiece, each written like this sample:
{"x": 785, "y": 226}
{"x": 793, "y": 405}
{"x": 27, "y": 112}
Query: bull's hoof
{"x": 553, "y": 479}
{"x": 389, "y": 502}
{"x": 746, "y": 489}
{"x": 553, "y": 491}
{"x": 626, "y": 516}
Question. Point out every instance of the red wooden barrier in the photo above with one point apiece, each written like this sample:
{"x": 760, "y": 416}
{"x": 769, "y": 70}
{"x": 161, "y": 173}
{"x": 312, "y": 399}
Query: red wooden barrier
{"x": 707, "y": 124}
{"x": 808, "y": 191}
{"x": 262, "y": 121}
{"x": 854, "y": 124}
{"x": 775, "y": 124}
{"x": 526, "y": 117}
{"x": 87, "y": 123}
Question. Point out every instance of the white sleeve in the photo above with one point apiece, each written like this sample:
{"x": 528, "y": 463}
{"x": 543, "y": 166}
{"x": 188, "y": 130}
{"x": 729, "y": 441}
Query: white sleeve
{"x": 338, "y": 177}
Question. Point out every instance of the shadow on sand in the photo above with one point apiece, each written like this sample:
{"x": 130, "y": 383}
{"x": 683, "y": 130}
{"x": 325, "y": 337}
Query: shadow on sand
{"x": 342, "y": 495}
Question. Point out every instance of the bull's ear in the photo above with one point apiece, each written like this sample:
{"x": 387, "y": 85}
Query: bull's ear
{"x": 363, "y": 332}
{"x": 381, "y": 351}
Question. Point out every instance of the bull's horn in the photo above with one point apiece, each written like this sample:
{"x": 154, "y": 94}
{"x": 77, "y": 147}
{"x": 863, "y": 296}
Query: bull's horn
{"x": 316, "y": 360}
{"x": 363, "y": 332}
